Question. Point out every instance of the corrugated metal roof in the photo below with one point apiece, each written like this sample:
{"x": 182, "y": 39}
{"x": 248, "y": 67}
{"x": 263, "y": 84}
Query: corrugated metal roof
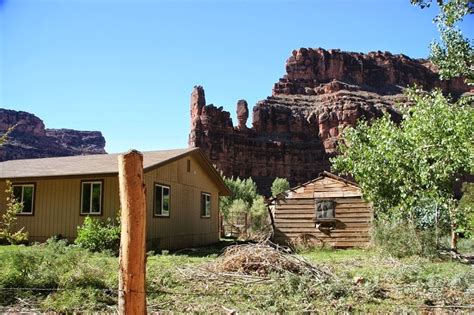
{"x": 81, "y": 165}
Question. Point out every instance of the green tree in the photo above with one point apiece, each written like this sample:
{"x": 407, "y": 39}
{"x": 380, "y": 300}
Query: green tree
{"x": 244, "y": 189}
{"x": 244, "y": 200}
{"x": 454, "y": 53}
{"x": 279, "y": 185}
{"x": 409, "y": 169}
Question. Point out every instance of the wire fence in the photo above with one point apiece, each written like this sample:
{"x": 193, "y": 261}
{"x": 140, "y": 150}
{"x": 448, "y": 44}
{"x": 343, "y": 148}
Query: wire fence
{"x": 165, "y": 291}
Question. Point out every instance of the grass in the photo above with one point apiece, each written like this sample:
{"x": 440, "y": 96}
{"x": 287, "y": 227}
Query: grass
{"x": 72, "y": 279}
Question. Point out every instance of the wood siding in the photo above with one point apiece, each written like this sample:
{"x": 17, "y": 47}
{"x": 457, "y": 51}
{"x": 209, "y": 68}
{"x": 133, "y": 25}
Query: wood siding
{"x": 184, "y": 227}
{"x": 57, "y": 206}
{"x": 295, "y": 215}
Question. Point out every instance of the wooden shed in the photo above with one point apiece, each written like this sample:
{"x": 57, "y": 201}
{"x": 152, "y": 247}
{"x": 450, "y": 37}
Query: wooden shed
{"x": 328, "y": 211}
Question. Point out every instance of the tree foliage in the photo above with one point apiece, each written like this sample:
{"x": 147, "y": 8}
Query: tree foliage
{"x": 243, "y": 189}
{"x": 244, "y": 200}
{"x": 408, "y": 170}
{"x": 412, "y": 166}
{"x": 279, "y": 185}
{"x": 454, "y": 53}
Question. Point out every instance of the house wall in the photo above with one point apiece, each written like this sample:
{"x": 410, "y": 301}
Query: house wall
{"x": 184, "y": 227}
{"x": 294, "y": 216}
{"x": 57, "y": 206}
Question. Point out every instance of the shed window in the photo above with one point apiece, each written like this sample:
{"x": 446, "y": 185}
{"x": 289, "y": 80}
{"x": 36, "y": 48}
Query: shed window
{"x": 325, "y": 210}
{"x": 25, "y": 193}
{"x": 205, "y": 205}
{"x": 162, "y": 200}
{"x": 91, "y": 197}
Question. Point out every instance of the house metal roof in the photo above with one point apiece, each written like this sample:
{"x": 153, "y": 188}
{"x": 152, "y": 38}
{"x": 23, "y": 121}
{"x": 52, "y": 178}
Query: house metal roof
{"x": 100, "y": 164}
{"x": 81, "y": 164}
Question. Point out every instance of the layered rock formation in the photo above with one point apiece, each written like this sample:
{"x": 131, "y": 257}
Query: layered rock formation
{"x": 295, "y": 131}
{"x": 30, "y": 138}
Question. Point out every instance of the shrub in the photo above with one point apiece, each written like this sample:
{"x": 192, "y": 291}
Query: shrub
{"x": 8, "y": 221}
{"x": 403, "y": 239}
{"x": 99, "y": 236}
{"x": 259, "y": 217}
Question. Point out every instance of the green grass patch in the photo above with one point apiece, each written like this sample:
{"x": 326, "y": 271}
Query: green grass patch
{"x": 73, "y": 279}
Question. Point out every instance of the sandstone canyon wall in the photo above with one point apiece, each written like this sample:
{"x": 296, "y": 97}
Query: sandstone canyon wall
{"x": 295, "y": 131}
{"x": 30, "y": 138}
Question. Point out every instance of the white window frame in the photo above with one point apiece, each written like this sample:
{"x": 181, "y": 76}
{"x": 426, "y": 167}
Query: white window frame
{"x": 92, "y": 182}
{"x": 163, "y": 212}
{"x": 23, "y": 194}
{"x": 206, "y": 212}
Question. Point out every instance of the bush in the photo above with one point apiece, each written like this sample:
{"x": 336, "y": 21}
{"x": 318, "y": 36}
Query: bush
{"x": 402, "y": 239}
{"x": 99, "y": 236}
{"x": 259, "y": 217}
{"x": 8, "y": 220}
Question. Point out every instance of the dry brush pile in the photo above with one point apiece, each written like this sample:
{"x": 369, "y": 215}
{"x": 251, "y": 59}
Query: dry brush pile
{"x": 257, "y": 262}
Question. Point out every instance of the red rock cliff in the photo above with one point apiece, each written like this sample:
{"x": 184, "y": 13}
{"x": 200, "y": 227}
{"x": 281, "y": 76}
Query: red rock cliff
{"x": 295, "y": 131}
{"x": 30, "y": 138}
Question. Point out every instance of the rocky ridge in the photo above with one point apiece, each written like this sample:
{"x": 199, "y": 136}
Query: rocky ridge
{"x": 295, "y": 131}
{"x": 30, "y": 138}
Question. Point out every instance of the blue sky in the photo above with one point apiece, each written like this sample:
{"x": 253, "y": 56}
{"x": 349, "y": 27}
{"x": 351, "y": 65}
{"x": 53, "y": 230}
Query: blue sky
{"x": 127, "y": 68}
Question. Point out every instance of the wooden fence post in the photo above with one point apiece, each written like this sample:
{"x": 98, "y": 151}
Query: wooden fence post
{"x": 132, "y": 295}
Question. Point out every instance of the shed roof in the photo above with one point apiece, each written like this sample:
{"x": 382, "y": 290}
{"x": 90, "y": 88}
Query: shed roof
{"x": 320, "y": 177}
{"x": 97, "y": 164}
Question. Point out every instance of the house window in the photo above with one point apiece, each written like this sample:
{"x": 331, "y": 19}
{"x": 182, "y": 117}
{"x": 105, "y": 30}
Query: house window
{"x": 162, "y": 200}
{"x": 91, "y": 197}
{"x": 205, "y": 205}
{"x": 325, "y": 210}
{"x": 25, "y": 193}
{"x": 188, "y": 166}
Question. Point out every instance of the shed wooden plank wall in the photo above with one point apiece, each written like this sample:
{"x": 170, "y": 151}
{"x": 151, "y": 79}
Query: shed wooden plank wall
{"x": 57, "y": 206}
{"x": 294, "y": 216}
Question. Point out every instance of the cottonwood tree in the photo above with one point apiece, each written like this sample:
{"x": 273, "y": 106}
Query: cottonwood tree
{"x": 403, "y": 168}
{"x": 408, "y": 170}
{"x": 454, "y": 53}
